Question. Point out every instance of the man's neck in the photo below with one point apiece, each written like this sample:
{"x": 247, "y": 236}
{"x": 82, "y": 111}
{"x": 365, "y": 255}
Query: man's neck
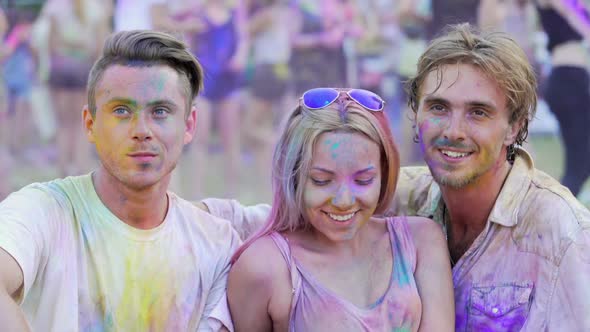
{"x": 468, "y": 208}
{"x": 143, "y": 209}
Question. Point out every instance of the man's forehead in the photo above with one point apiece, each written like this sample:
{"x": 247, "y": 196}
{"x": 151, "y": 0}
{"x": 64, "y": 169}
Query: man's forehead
{"x": 158, "y": 75}
{"x": 142, "y": 81}
{"x": 461, "y": 77}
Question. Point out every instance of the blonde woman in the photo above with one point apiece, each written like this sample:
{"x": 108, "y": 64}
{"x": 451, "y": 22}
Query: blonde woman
{"x": 324, "y": 261}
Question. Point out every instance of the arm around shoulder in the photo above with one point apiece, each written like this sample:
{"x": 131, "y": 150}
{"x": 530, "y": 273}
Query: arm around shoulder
{"x": 246, "y": 220}
{"x": 433, "y": 275}
{"x": 252, "y": 283}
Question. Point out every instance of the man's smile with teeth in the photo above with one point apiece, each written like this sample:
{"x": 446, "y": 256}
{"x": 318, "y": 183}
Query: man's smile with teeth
{"x": 454, "y": 154}
{"x": 339, "y": 217}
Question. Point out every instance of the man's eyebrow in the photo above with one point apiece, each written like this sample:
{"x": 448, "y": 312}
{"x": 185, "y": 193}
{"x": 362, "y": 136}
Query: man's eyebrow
{"x": 472, "y": 103}
{"x": 435, "y": 100}
{"x": 133, "y": 103}
{"x": 166, "y": 102}
{"x": 122, "y": 100}
{"x": 481, "y": 104}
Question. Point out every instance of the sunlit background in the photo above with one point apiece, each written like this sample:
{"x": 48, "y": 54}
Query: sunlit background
{"x": 49, "y": 46}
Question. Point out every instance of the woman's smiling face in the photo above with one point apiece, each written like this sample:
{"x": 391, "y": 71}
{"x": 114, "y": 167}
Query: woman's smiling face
{"x": 343, "y": 185}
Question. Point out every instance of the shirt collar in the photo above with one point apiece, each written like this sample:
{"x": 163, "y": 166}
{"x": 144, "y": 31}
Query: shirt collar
{"x": 505, "y": 211}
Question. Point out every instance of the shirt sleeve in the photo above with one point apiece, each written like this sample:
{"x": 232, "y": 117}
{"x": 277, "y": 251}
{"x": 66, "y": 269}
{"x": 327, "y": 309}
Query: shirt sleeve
{"x": 246, "y": 220}
{"x": 213, "y": 314}
{"x": 221, "y": 316}
{"x": 570, "y": 304}
{"x": 25, "y": 219}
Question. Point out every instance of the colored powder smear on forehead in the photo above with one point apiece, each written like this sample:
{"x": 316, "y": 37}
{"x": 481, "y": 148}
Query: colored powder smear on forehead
{"x": 344, "y": 149}
{"x": 159, "y": 83}
{"x": 153, "y": 87}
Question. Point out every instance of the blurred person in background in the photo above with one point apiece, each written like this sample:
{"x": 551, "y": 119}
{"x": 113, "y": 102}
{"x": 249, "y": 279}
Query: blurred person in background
{"x": 518, "y": 18}
{"x": 567, "y": 93}
{"x": 445, "y": 12}
{"x": 414, "y": 17}
{"x": 318, "y": 57}
{"x": 396, "y": 37}
{"x": 19, "y": 73}
{"x": 215, "y": 30}
{"x": 270, "y": 49}
{"x": 77, "y": 31}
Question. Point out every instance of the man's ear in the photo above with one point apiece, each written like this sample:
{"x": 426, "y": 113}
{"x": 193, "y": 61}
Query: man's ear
{"x": 190, "y": 125}
{"x": 513, "y": 131}
{"x": 88, "y": 124}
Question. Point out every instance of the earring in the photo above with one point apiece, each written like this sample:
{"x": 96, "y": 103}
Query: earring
{"x": 511, "y": 152}
{"x": 416, "y": 139}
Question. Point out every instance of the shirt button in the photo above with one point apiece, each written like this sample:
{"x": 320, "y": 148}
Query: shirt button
{"x": 495, "y": 310}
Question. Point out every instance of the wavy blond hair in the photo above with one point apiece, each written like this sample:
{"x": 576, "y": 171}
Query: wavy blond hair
{"x": 496, "y": 54}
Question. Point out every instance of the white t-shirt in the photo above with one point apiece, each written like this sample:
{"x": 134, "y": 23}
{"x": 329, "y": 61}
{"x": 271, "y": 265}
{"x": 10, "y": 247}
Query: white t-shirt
{"x": 86, "y": 270}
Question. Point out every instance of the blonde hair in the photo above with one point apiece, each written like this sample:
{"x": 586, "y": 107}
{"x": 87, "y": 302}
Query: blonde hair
{"x": 293, "y": 155}
{"x": 494, "y": 53}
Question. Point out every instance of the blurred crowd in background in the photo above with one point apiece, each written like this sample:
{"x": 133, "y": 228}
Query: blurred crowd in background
{"x": 259, "y": 56}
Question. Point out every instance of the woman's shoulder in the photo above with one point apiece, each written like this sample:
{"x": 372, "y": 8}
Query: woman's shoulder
{"x": 260, "y": 260}
{"x": 425, "y": 232}
{"x": 262, "y": 272}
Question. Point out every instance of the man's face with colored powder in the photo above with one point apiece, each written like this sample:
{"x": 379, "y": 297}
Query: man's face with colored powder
{"x": 141, "y": 123}
{"x": 463, "y": 125}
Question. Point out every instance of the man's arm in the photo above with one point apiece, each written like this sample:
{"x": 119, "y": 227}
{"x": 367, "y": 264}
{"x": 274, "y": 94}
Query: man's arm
{"x": 570, "y": 304}
{"x": 246, "y": 220}
{"x": 11, "y": 284}
{"x": 24, "y": 230}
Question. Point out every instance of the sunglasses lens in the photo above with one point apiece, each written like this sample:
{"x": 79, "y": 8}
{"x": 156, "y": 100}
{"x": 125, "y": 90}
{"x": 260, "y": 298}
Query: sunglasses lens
{"x": 367, "y": 98}
{"x": 319, "y": 98}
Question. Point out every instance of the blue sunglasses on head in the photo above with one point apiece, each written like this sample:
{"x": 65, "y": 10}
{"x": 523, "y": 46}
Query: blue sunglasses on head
{"x": 319, "y": 98}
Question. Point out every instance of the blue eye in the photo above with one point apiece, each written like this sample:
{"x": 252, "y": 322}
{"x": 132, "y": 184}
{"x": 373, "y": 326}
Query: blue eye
{"x": 161, "y": 112}
{"x": 120, "y": 111}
